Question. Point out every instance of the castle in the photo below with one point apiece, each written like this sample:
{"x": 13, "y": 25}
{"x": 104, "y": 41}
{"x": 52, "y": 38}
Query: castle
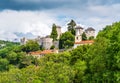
{"x": 47, "y": 42}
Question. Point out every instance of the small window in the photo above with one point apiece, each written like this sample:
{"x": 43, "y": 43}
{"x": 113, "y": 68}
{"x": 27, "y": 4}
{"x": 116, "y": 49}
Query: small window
{"x": 77, "y": 38}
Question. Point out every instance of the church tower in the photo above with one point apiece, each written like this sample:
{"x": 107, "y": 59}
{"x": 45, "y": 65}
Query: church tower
{"x": 78, "y": 34}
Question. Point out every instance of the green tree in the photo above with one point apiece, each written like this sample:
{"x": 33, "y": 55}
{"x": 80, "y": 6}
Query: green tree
{"x": 84, "y": 36}
{"x": 52, "y": 47}
{"x": 31, "y": 46}
{"x": 80, "y": 53}
{"x": 4, "y": 63}
{"x": 41, "y": 47}
{"x": 12, "y": 57}
{"x": 55, "y": 69}
{"x": 105, "y": 55}
{"x": 25, "y": 61}
{"x": 66, "y": 40}
{"x": 54, "y": 33}
{"x": 91, "y": 38}
{"x": 4, "y": 52}
{"x": 79, "y": 60}
{"x": 79, "y": 68}
{"x": 71, "y": 26}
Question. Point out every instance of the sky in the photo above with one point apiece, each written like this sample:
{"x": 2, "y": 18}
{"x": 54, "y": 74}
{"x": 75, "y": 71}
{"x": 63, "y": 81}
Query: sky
{"x": 37, "y": 16}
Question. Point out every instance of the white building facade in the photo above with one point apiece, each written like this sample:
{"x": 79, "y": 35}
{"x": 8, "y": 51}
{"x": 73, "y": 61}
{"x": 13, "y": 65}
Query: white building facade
{"x": 90, "y": 32}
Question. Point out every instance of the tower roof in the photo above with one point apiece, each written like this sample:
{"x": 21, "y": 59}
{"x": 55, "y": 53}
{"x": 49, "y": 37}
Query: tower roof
{"x": 78, "y": 27}
{"x": 58, "y": 26}
{"x": 90, "y": 29}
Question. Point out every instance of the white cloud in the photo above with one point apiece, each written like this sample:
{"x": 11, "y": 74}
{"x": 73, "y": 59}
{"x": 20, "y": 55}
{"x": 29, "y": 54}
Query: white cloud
{"x": 105, "y": 10}
{"x": 96, "y": 16}
{"x": 7, "y": 35}
{"x": 38, "y": 23}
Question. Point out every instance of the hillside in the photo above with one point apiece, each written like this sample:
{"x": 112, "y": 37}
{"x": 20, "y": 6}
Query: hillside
{"x": 96, "y": 63}
{"x": 7, "y": 44}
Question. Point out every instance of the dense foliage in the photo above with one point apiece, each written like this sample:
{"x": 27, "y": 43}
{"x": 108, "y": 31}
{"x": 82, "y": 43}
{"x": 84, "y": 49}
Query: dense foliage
{"x": 91, "y": 38}
{"x": 97, "y": 63}
{"x": 4, "y": 44}
{"x": 31, "y": 46}
{"x": 66, "y": 40}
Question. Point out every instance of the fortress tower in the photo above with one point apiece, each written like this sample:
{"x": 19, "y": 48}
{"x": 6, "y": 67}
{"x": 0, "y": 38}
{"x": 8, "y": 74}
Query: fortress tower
{"x": 78, "y": 34}
{"x": 58, "y": 28}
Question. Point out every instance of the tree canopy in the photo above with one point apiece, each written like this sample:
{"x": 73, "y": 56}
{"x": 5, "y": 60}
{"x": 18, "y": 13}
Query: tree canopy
{"x": 66, "y": 40}
{"x": 30, "y": 46}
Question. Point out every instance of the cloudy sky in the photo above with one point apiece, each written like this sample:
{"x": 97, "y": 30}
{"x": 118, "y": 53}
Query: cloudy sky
{"x": 37, "y": 16}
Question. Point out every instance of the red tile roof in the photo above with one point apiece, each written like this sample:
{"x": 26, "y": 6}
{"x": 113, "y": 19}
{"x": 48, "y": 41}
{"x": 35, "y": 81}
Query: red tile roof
{"x": 41, "y": 52}
{"x": 85, "y": 42}
{"x": 35, "y": 53}
{"x": 47, "y": 52}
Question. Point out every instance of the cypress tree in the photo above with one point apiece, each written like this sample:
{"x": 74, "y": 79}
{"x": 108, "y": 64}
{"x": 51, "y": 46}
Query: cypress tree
{"x": 71, "y": 26}
{"x": 54, "y": 32}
